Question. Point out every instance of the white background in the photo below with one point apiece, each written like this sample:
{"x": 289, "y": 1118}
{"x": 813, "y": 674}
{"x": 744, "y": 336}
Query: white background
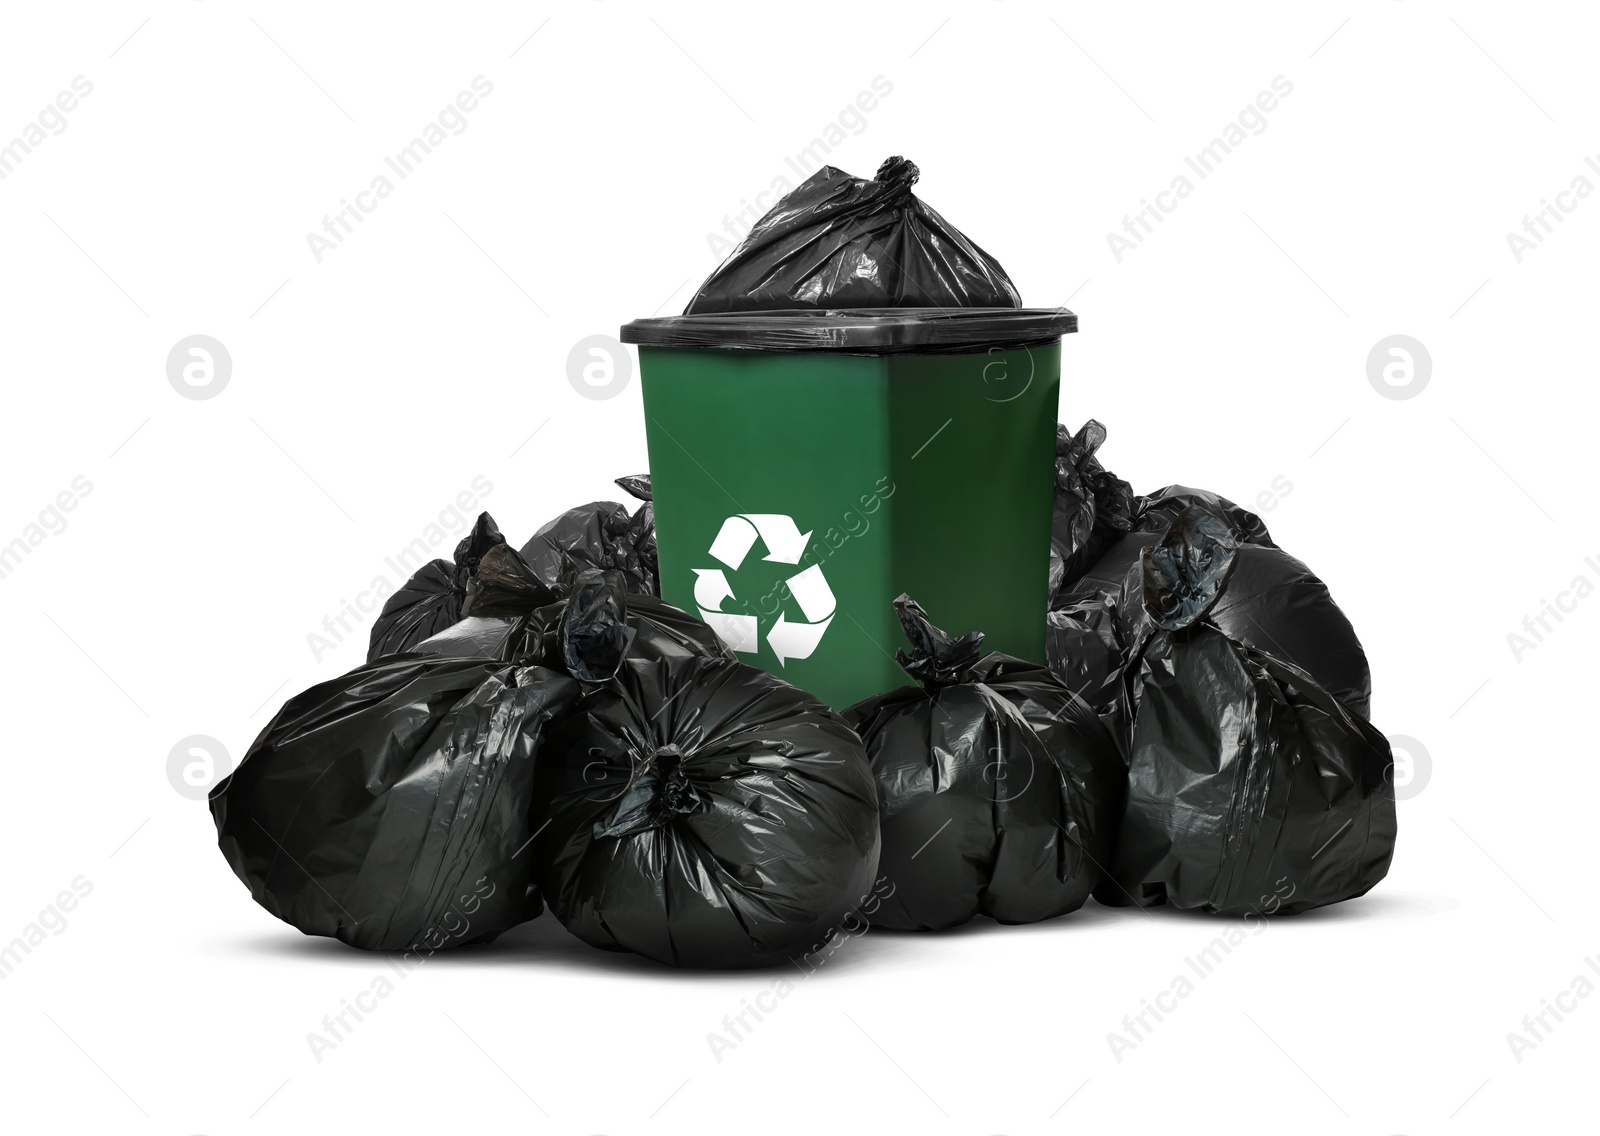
{"x": 1229, "y": 349}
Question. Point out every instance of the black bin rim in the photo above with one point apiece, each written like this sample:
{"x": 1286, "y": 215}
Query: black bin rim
{"x": 858, "y": 331}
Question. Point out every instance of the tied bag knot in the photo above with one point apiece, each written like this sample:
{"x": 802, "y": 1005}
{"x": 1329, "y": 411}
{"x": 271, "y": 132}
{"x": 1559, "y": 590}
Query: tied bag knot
{"x": 484, "y": 538}
{"x": 935, "y": 659}
{"x": 896, "y": 176}
{"x": 592, "y": 637}
{"x": 1186, "y": 573}
{"x": 660, "y": 792}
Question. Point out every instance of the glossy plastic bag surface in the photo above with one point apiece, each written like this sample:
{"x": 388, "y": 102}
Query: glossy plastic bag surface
{"x": 1156, "y": 512}
{"x": 838, "y": 241}
{"x": 704, "y": 814}
{"x": 1093, "y": 507}
{"x": 601, "y": 534}
{"x": 509, "y": 612}
{"x": 998, "y": 788}
{"x": 386, "y": 807}
{"x": 1251, "y": 790}
{"x": 431, "y": 600}
{"x": 1087, "y": 649}
{"x": 391, "y": 807}
{"x": 1273, "y": 602}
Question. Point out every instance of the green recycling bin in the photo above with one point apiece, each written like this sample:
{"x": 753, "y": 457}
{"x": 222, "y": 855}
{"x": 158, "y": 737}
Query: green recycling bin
{"x": 809, "y": 466}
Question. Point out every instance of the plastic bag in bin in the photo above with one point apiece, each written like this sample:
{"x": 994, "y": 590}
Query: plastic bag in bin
{"x": 837, "y": 241}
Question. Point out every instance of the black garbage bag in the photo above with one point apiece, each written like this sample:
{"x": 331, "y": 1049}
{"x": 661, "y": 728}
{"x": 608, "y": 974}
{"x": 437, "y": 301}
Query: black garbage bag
{"x": 390, "y": 808}
{"x": 1273, "y": 602}
{"x": 998, "y": 788}
{"x": 1157, "y": 512}
{"x": 509, "y": 612}
{"x": 838, "y": 241}
{"x": 704, "y": 814}
{"x": 1276, "y": 604}
{"x": 602, "y": 534}
{"x": 1087, "y": 650}
{"x": 1093, "y": 507}
{"x": 431, "y": 600}
{"x": 1251, "y": 789}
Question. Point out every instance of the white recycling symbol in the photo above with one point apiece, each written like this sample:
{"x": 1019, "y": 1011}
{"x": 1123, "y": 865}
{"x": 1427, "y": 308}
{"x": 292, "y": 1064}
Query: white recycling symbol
{"x": 785, "y": 544}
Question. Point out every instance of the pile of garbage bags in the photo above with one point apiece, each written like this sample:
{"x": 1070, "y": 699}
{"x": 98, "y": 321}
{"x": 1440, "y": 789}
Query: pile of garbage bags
{"x": 1237, "y": 690}
{"x": 537, "y": 728}
{"x": 534, "y": 727}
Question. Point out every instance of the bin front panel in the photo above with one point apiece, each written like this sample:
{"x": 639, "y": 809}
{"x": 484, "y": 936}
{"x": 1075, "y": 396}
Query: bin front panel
{"x": 772, "y": 483}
